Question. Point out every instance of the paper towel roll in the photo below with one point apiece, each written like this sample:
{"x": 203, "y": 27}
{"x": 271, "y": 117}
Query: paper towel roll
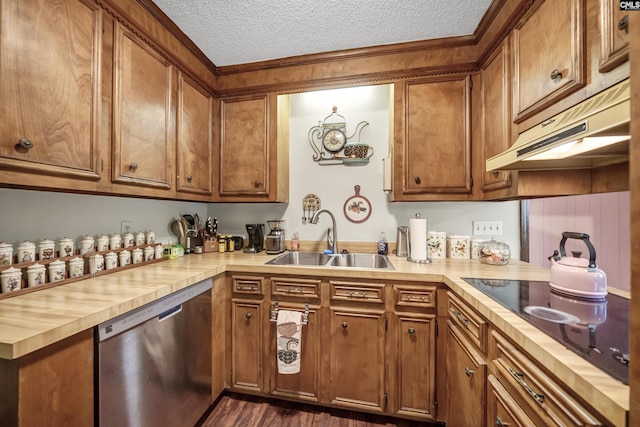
{"x": 418, "y": 240}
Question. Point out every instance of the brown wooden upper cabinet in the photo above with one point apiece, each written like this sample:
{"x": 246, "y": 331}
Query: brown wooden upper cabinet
{"x": 549, "y": 55}
{"x": 143, "y": 123}
{"x": 432, "y": 139}
{"x": 253, "y": 150}
{"x": 195, "y": 138}
{"x": 50, "y": 59}
{"x": 614, "y": 33}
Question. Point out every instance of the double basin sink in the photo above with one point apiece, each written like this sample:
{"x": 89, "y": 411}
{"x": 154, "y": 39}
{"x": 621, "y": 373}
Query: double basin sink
{"x": 319, "y": 259}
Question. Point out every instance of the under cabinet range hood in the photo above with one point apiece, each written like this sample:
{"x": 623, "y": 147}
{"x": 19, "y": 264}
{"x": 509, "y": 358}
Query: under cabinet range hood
{"x": 591, "y": 134}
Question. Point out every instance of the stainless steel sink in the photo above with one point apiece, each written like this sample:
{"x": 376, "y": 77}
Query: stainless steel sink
{"x": 318, "y": 259}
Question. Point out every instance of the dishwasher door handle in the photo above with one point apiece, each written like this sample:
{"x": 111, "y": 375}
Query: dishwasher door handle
{"x": 170, "y": 313}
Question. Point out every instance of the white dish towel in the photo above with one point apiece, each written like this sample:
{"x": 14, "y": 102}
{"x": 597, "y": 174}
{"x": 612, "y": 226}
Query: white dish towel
{"x": 289, "y": 336}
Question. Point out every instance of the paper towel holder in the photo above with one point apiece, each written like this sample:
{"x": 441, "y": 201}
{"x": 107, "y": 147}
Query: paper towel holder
{"x": 425, "y": 260}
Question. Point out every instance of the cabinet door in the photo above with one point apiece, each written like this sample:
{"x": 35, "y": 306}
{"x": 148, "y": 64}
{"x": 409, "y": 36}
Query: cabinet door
{"x": 303, "y": 385}
{"x": 502, "y": 409}
{"x": 142, "y": 117}
{"x": 415, "y": 365}
{"x": 466, "y": 373}
{"x": 195, "y": 138}
{"x": 244, "y": 147}
{"x": 496, "y": 115}
{"x": 435, "y": 142}
{"x": 246, "y": 345}
{"x": 356, "y": 353}
{"x": 614, "y": 35}
{"x": 50, "y": 87}
{"x": 549, "y": 58}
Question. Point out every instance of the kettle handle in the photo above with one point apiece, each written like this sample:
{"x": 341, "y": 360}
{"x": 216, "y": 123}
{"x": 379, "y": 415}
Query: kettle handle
{"x": 579, "y": 236}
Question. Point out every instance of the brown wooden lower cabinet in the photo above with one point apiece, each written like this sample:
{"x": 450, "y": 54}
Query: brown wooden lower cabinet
{"x": 52, "y": 386}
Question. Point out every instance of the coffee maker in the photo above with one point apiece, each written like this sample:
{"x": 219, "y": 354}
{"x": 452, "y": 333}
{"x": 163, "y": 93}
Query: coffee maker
{"x": 256, "y": 238}
{"x": 275, "y": 238}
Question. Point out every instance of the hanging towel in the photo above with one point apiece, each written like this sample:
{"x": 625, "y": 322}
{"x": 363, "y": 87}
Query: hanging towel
{"x": 289, "y": 337}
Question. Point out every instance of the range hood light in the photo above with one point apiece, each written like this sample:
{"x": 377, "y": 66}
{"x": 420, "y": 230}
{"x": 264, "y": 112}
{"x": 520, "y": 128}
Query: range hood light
{"x": 578, "y": 147}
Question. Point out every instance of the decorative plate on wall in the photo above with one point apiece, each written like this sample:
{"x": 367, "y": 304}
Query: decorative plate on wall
{"x": 357, "y": 208}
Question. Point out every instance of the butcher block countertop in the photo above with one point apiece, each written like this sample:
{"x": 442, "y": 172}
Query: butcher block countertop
{"x": 32, "y": 321}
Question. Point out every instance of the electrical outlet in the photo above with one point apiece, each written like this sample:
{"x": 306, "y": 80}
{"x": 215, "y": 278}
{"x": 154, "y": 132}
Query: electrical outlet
{"x": 487, "y": 228}
{"x": 126, "y": 226}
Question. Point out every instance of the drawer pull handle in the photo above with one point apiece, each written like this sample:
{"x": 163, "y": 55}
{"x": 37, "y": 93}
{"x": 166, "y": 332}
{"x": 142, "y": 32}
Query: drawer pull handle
{"x": 353, "y": 294}
{"x": 461, "y": 318}
{"x": 556, "y": 75}
{"x": 345, "y": 325}
{"x": 518, "y": 377}
{"x": 247, "y": 287}
{"x": 410, "y": 298}
{"x": 623, "y": 24}
{"x": 501, "y": 423}
{"x": 412, "y": 331}
{"x": 294, "y": 290}
{"x": 468, "y": 372}
{"x": 248, "y": 315}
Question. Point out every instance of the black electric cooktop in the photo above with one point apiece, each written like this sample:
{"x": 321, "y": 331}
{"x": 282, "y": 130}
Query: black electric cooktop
{"x": 597, "y": 330}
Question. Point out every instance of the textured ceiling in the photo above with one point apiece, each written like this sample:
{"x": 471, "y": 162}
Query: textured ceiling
{"x": 231, "y": 32}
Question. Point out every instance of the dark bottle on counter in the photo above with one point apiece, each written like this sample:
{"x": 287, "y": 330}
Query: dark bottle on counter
{"x": 383, "y": 245}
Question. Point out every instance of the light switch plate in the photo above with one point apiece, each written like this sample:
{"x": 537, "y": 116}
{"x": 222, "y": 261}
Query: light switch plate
{"x": 487, "y": 228}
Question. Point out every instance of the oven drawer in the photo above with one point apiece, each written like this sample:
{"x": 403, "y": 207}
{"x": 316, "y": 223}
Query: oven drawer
{"x": 469, "y": 322}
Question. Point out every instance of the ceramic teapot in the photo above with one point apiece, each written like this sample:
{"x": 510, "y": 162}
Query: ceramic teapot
{"x": 575, "y": 275}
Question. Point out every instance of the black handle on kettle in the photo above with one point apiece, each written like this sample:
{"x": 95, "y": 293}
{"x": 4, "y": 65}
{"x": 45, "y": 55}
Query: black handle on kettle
{"x": 579, "y": 236}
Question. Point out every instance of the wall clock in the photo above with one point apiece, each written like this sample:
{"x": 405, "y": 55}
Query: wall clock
{"x": 329, "y": 139}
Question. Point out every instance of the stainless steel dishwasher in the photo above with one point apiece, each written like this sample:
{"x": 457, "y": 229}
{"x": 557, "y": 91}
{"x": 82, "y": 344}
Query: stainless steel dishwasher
{"x": 154, "y": 362}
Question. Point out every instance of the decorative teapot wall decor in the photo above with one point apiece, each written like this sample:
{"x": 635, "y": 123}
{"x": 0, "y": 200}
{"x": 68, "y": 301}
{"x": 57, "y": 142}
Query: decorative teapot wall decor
{"x": 332, "y": 146}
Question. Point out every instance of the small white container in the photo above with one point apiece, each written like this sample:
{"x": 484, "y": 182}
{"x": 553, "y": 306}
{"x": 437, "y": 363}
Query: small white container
{"x": 11, "y": 279}
{"x": 475, "y": 247}
{"x": 102, "y": 243}
{"x": 6, "y": 254}
{"x": 437, "y": 244}
{"x": 110, "y": 261}
{"x": 26, "y": 252}
{"x": 87, "y": 245}
{"x": 76, "y": 267}
{"x": 124, "y": 258}
{"x": 128, "y": 240}
{"x": 65, "y": 247}
{"x": 35, "y": 275}
{"x": 46, "y": 249}
{"x": 96, "y": 264}
{"x": 136, "y": 256}
{"x": 57, "y": 271}
{"x": 115, "y": 242}
{"x": 140, "y": 238}
{"x": 148, "y": 253}
{"x": 458, "y": 246}
{"x": 150, "y": 237}
{"x": 158, "y": 252}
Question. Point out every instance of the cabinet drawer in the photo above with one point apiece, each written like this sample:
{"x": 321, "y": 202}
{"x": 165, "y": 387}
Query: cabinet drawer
{"x": 502, "y": 409}
{"x": 415, "y": 296}
{"x": 470, "y": 323}
{"x": 544, "y": 399}
{"x": 295, "y": 287}
{"x": 355, "y": 291}
{"x": 248, "y": 285}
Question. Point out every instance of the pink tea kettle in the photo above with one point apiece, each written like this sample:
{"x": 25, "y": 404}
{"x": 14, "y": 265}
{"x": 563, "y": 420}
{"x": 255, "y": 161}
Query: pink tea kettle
{"x": 574, "y": 275}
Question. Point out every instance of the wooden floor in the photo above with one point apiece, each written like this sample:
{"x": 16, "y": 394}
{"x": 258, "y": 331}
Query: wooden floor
{"x": 234, "y": 410}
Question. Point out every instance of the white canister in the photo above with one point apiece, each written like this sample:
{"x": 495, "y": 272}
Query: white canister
{"x": 6, "y": 254}
{"x": 437, "y": 244}
{"x": 115, "y": 242}
{"x": 150, "y": 237}
{"x": 35, "y": 275}
{"x": 87, "y": 245}
{"x": 140, "y": 238}
{"x": 96, "y": 263}
{"x": 46, "y": 249}
{"x": 148, "y": 253}
{"x": 11, "y": 279}
{"x": 136, "y": 256}
{"x": 475, "y": 247}
{"x": 56, "y": 271}
{"x": 458, "y": 246}
{"x": 26, "y": 252}
{"x": 125, "y": 258}
{"x": 158, "y": 252}
{"x": 76, "y": 267}
{"x": 102, "y": 243}
{"x": 128, "y": 240}
{"x": 65, "y": 247}
{"x": 110, "y": 261}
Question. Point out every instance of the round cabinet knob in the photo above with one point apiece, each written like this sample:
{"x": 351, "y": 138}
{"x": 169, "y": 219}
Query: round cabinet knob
{"x": 623, "y": 24}
{"x": 248, "y": 315}
{"x": 468, "y": 372}
{"x": 412, "y": 331}
{"x": 256, "y": 184}
{"x": 417, "y": 180}
{"x": 556, "y": 75}
{"x": 190, "y": 178}
{"x": 496, "y": 174}
{"x": 345, "y": 324}
{"x": 25, "y": 143}
{"x": 133, "y": 167}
